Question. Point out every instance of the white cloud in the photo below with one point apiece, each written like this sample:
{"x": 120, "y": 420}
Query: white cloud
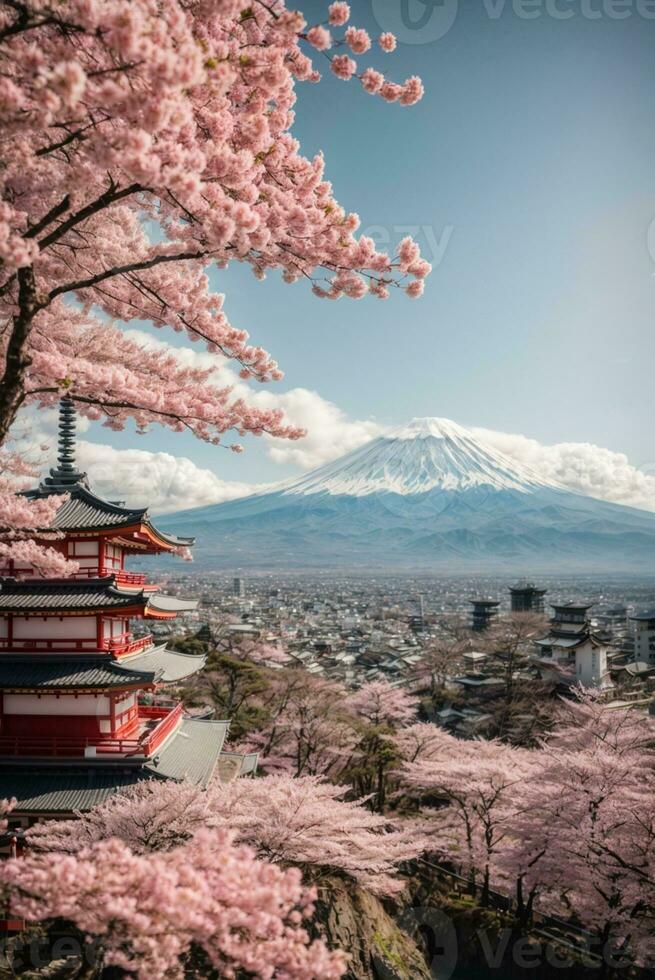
{"x": 169, "y": 483}
{"x": 580, "y": 466}
{"x": 329, "y": 431}
{"x": 159, "y": 480}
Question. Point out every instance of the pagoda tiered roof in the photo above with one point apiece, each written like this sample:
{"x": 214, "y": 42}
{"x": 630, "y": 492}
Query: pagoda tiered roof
{"x": 84, "y": 512}
{"x": 55, "y": 673}
{"x": 167, "y": 665}
{"x": 192, "y": 752}
{"x": 157, "y": 665}
{"x": 84, "y": 595}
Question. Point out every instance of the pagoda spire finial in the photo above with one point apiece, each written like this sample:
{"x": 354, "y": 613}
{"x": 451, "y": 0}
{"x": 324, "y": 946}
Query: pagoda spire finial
{"x": 65, "y": 475}
{"x": 66, "y": 457}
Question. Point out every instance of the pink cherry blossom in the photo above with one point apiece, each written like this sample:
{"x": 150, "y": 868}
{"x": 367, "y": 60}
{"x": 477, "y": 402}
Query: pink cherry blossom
{"x": 381, "y": 704}
{"x": 372, "y": 80}
{"x": 387, "y": 41}
{"x": 152, "y": 909}
{"x": 339, "y": 13}
{"x": 303, "y": 822}
{"x": 413, "y": 91}
{"x": 357, "y": 39}
{"x": 391, "y": 91}
{"x": 141, "y": 145}
{"x": 319, "y": 37}
{"x": 343, "y": 66}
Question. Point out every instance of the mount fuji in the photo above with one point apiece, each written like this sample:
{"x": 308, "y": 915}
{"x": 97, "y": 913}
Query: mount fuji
{"x": 429, "y": 495}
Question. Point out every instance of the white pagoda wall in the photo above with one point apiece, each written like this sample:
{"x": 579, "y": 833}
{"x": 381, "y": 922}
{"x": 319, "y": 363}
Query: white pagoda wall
{"x": 114, "y": 627}
{"x": 55, "y": 627}
{"x": 32, "y": 704}
{"x": 68, "y": 715}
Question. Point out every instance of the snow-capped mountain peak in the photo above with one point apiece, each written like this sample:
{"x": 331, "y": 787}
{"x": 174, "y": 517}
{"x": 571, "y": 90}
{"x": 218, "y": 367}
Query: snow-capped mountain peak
{"x": 429, "y": 495}
{"x": 426, "y": 454}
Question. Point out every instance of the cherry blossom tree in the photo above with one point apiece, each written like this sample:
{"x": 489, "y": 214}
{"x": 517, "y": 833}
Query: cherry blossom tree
{"x": 381, "y": 704}
{"x": 154, "y": 815}
{"x": 477, "y": 783}
{"x": 584, "y": 832}
{"x": 305, "y": 822}
{"x": 143, "y": 142}
{"x": 566, "y": 828}
{"x": 308, "y": 729}
{"x": 440, "y": 659}
{"x": 153, "y": 914}
{"x": 381, "y": 710}
{"x": 509, "y": 643}
{"x": 421, "y": 740}
{"x": 21, "y": 518}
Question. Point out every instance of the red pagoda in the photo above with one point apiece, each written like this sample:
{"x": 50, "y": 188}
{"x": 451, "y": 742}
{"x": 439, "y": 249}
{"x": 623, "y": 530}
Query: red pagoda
{"x": 81, "y": 711}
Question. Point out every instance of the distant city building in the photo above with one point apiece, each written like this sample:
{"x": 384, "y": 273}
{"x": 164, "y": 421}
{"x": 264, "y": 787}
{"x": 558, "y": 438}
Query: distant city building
{"x": 483, "y": 613}
{"x": 527, "y": 598}
{"x": 239, "y": 587}
{"x": 417, "y": 620}
{"x": 645, "y": 636}
{"x": 572, "y": 653}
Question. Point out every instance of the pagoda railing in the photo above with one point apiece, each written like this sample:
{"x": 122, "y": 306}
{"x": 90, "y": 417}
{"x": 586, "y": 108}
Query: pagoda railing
{"x": 156, "y": 725}
{"x": 122, "y": 644}
{"x": 122, "y": 577}
{"x": 126, "y": 643}
{"x": 166, "y": 720}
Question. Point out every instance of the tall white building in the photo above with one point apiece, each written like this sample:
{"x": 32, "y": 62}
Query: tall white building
{"x": 645, "y": 637}
{"x": 572, "y": 653}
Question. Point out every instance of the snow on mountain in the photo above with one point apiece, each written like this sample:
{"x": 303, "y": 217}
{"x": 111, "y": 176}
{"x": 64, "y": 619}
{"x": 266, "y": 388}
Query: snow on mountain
{"x": 428, "y": 495}
{"x": 426, "y": 454}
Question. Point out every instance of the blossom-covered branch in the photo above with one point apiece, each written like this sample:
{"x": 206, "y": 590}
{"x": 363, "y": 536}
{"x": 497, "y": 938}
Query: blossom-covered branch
{"x": 143, "y": 142}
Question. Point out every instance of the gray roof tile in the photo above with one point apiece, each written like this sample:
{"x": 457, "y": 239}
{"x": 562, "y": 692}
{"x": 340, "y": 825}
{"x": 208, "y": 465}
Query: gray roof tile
{"x": 63, "y": 790}
{"x": 70, "y": 594}
{"x": 84, "y": 511}
{"x": 55, "y": 672}
{"x": 192, "y": 752}
{"x": 168, "y": 665}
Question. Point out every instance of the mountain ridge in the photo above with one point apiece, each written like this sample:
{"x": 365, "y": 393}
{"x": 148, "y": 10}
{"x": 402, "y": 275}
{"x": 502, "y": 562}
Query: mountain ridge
{"x": 429, "y": 494}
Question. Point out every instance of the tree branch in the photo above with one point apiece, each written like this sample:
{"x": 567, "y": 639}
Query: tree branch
{"x": 119, "y": 270}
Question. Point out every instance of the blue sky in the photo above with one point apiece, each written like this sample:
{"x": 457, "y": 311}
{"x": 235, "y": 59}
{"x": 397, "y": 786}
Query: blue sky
{"x": 532, "y": 158}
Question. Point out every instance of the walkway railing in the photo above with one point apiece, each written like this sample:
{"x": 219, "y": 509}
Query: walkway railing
{"x": 122, "y": 644}
{"x": 156, "y": 725}
{"x": 122, "y": 577}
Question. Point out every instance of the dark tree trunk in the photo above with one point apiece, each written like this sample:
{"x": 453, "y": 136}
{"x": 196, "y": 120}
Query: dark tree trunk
{"x": 12, "y": 384}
